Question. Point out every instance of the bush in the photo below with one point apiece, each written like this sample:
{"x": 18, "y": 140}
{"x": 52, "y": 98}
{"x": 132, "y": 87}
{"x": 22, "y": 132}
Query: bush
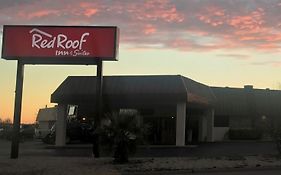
{"x": 244, "y": 134}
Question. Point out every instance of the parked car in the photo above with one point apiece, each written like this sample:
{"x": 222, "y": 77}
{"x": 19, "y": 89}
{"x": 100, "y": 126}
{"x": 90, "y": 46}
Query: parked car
{"x": 75, "y": 130}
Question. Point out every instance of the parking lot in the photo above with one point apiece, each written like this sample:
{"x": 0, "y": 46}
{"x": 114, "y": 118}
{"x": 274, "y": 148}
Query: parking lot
{"x": 36, "y": 157}
{"x": 37, "y": 148}
{"x": 27, "y": 148}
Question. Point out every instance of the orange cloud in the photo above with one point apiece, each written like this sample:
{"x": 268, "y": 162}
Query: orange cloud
{"x": 269, "y": 46}
{"x": 37, "y": 14}
{"x": 90, "y": 12}
{"x": 149, "y": 29}
{"x": 200, "y": 24}
{"x": 252, "y": 23}
{"x": 90, "y": 9}
{"x": 85, "y": 4}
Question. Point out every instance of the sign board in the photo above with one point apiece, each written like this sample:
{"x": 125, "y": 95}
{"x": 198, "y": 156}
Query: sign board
{"x": 57, "y": 45}
{"x": 60, "y": 44}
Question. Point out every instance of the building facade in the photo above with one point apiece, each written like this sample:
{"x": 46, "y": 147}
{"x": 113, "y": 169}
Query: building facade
{"x": 180, "y": 110}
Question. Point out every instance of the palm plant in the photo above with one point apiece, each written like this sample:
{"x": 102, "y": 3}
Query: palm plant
{"x": 122, "y": 133}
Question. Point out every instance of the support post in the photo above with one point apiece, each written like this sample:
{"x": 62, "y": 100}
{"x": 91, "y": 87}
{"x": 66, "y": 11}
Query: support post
{"x": 99, "y": 107}
{"x": 202, "y": 128}
{"x": 17, "y": 111}
{"x": 61, "y": 125}
{"x": 180, "y": 126}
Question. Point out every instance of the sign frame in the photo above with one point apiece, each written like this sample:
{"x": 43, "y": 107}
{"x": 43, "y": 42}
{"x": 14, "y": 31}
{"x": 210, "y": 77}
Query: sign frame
{"x": 60, "y": 60}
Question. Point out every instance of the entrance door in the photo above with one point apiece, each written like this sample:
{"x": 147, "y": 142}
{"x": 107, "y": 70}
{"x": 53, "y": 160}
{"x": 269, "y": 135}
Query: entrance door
{"x": 163, "y": 130}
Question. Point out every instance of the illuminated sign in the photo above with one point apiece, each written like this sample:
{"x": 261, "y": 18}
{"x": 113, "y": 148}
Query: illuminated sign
{"x": 59, "y": 43}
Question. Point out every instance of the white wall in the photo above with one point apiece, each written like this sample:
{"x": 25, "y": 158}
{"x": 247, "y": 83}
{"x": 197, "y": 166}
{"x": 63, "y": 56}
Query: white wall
{"x": 202, "y": 128}
{"x": 180, "y": 124}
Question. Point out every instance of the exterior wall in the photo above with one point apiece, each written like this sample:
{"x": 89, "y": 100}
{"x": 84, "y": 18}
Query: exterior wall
{"x": 219, "y": 133}
{"x": 240, "y": 122}
{"x": 210, "y": 125}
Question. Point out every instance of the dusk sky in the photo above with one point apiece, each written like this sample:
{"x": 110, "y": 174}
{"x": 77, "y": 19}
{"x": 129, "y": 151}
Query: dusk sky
{"x": 215, "y": 42}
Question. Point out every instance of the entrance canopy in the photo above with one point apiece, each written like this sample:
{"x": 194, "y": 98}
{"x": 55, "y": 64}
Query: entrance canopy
{"x": 135, "y": 91}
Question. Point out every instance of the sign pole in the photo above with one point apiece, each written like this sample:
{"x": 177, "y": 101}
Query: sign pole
{"x": 99, "y": 106}
{"x": 79, "y": 45}
{"x": 17, "y": 111}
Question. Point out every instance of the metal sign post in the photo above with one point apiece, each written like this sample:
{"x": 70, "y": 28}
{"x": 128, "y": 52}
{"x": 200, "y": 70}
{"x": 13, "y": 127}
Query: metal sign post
{"x": 64, "y": 45}
{"x": 99, "y": 107}
{"x": 17, "y": 111}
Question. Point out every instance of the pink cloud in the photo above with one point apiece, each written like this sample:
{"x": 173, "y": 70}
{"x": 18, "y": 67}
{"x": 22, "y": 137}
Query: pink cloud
{"x": 182, "y": 25}
{"x": 156, "y": 10}
{"x": 41, "y": 13}
{"x": 214, "y": 16}
{"x": 251, "y": 23}
{"x": 269, "y": 46}
{"x": 90, "y": 12}
{"x": 149, "y": 29}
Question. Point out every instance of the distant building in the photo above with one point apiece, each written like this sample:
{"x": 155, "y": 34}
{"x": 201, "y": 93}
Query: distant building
{"x": 45, "y": 119}
{"x": 179, "y": 109}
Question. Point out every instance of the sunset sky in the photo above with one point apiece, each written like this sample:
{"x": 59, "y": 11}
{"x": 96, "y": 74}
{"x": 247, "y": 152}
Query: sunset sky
{"x": 215, "y": 42}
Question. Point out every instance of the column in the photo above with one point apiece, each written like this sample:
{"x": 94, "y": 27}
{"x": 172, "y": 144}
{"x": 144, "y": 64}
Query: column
{"x": 180, "y": 125}
{"x": 210, "y": 125}
{"x": 202, "y": 136}
{"x": 61, "y": 125}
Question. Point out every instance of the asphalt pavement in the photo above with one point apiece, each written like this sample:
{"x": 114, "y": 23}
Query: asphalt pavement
{"x": 36, "y": 147}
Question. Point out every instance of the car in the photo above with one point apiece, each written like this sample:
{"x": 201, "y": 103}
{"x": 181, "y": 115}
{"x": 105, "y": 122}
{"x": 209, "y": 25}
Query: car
{"x": 75, "y": 131}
